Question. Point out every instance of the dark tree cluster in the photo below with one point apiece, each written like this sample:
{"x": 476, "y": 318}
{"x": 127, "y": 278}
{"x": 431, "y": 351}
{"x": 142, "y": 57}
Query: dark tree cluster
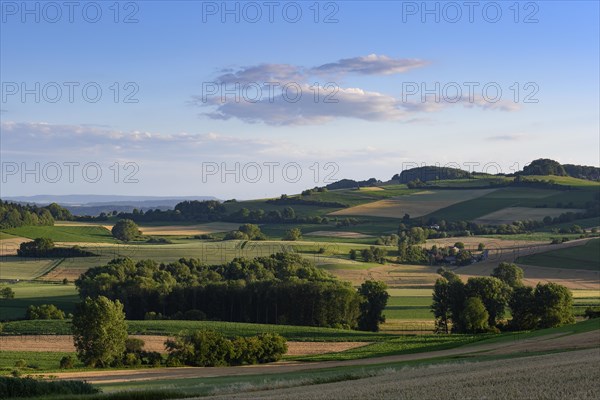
{"x": 371, "y": 254}
{"x": 14, "y": 215}
{"x": 293, "y": 200}
{"x": 282, "y": 289}
{"x": 480, "y": 304}
{"x": 352, "y": 184}
{"x": 430, "y": 173}
{"x": 44, "y": 248}
{"x": 208, "y": 348}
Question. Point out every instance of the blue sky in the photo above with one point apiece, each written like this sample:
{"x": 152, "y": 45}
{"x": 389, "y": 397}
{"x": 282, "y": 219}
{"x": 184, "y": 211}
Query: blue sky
{"x": 374, "y": 51}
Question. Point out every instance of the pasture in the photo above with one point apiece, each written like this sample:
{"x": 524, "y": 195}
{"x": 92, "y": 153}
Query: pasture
{"x": 471, "y": 209}
{"x": 585, "y": 256}
{"x": 510, "y": 214}
{"x": 188, "y": 230}
{"x": 67, "y": 233}
{"x": 18, "y": 268}
{"x": 63, "y": 296}
{"x": 416, "y": 204}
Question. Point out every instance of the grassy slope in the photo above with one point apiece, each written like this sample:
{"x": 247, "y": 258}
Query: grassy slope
{"x": 25, "y": 269}
{"x": 26, "y": 294}
{"x": 88, "y": 234}
{"x": 586, "y": 256}
{"x": 230, "y": 329}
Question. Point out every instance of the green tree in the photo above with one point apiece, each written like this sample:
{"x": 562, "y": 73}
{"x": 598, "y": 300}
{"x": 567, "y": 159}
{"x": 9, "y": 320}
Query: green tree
{"x": 201, "y": 348}
{"x": 523, "y": 309}
{"x": 7, "y": 293}
{"x": 39, "y": 247}
{"x": 99, "y": 331}
{"x": 293, "y": 234}
{"x": 288, "y": 213}
{"x": 44, "y": 311}
{"x": 253, "y": 231}
{"x": 475, "y": 315}
{"x": 125, "y": 230}
{"x": 441, "y": 305}
{"x": 509, "y": 273}
{"x": 353, "y": 254}
{"x": 374, "y": 299}
{"x": 554, "y": 305}
{"x": 464, "y": 257}
{"x": 493, "y": 293}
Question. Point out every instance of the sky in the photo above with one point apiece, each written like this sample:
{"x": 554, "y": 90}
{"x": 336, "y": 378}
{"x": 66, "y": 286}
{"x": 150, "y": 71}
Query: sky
{"x": 255, "y": 99}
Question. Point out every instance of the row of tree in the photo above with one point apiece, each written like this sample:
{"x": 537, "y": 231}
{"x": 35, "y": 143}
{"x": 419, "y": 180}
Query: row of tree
{"x": 44, "y": 247}
{"x": 282, "y": 288}
{"x": 481, "y": 303}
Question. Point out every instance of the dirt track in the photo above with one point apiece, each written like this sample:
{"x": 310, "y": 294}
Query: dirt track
{"x": 64, "y": 343}
{"x": 547, "y": 342}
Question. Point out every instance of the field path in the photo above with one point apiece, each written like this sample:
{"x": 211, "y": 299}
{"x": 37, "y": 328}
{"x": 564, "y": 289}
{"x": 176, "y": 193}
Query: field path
{"x": 542, "y": 343}
{"x": 64, "y": 343}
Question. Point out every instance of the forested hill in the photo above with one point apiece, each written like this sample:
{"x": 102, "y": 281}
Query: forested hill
{"x": 13, "y": 215}
{"x": 539, "y": 167}
{"x": 430, "y": 173}
{"x": 545, "y": 166}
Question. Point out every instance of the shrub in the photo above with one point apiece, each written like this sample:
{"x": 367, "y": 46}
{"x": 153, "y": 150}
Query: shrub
{"x": 67, "y": 362}
{"x": 202, "y": 348}
{"x": 293, "y": 234}
{"x": 44, "y": 311}
{"x": 592, "y": 313}
{"x": 273, "y": 347}
{"x": 125, "y": 230}
{"x": 209, "y": 348}
{"x": 151, "y": 358}
{"x": 132, "y": 359}
{"x": 20, "y": 363}
{"x": 134, "y": 345}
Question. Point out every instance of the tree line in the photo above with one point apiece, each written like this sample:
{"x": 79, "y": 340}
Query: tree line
{"x": 480, "y": 304}
{"x": 283, "y": 288}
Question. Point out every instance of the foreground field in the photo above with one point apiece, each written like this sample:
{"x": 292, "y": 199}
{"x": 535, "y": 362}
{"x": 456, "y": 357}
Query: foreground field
{"x": 582, "y": 335}
{"x": 555, "y": 376}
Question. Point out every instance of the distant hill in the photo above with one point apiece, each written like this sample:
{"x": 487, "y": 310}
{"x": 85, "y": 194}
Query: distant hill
{"x": 350, "y": 184}
{"x": 84, "y": 204}
{"x": 102, "y": 199}
{"x": 430, "y": 173}
{"x": 545, "y": 166}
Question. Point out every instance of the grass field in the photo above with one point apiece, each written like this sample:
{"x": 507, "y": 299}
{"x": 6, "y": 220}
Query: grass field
{"x": 230, "y": 329}
{"x": 416, "y": 204}
{"x": 505, "y": 197}
{"x": 399, "y": 345}
{"x": 510, "y": 214}
{"x": 24, "y": 269}
{"x": 86, "y": 234}
{"x": 586, "y": 257}
{"x": 409, "y": 308}
{"x": 563, "y": 180}
{"x": 26, "y": 294}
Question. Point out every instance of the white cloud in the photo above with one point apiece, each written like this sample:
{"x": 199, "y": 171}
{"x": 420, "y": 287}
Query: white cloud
{"x": 269, "y": 93}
